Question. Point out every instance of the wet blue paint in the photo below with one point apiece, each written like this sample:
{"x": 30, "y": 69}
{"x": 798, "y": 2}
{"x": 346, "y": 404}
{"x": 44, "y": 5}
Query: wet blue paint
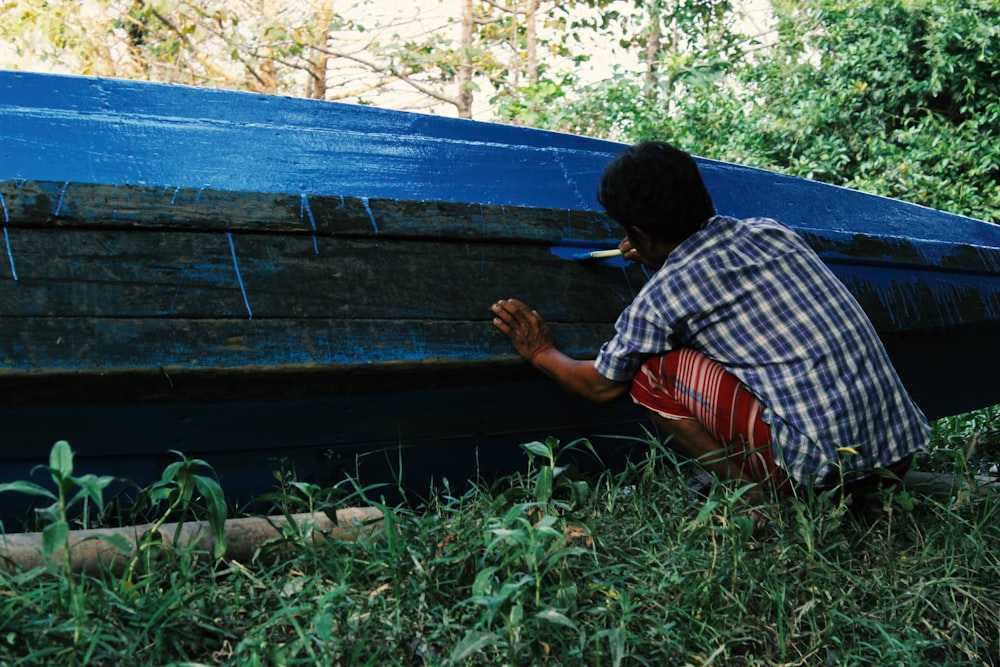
{"x": 6, "y": 237}
{"x": 239, "y": 277}
{"x": 578, "y": 253}
{"x": 10, "y": 254}
{"x": 576, "y": 250}
{"x": 62, "y": 194}
{"x": 371, "y": 216}
{"x": 305, "y": 208}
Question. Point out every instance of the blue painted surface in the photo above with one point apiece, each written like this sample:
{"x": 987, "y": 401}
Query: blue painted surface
{"x": 108, "y": 131}
{"x": 94, "y": 130}
{"x": 87, "y": 130}
{"x": 925, "y": 274}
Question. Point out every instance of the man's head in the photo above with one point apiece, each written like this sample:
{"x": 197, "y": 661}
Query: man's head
{"x": 656, "y": 188}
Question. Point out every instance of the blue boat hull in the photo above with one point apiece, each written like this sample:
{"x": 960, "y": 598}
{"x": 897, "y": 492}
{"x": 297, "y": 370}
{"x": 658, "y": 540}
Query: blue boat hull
{"x": 278, "y": 284}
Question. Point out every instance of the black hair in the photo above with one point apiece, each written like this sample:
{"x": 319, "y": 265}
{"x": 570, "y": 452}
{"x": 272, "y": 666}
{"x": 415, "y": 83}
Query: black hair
{"x": 657, "y": 188}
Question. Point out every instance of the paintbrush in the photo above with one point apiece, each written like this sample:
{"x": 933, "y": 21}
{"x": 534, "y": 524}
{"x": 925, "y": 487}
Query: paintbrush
{"x": 599, "y": 254}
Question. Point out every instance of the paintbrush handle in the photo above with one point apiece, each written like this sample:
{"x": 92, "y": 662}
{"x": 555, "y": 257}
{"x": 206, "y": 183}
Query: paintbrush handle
{"x": 604, "y": 254}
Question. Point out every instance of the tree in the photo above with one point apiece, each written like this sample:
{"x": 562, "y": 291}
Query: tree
{"x": 257, "y": 45}
{"x": 499, "y": 44}
{"x": 677, "y": 45}
{"x": 900, "y": 98}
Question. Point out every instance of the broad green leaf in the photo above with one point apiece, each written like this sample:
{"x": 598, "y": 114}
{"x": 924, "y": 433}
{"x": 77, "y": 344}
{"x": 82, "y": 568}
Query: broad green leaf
{"x": 516, "y": 615}
{"x": 27, "y": 488}
{"x": 473, "y": 642}
{"x": 543, "y": 485}
{"x": 93, "y": 487}
{"x": 483, "y": 584}
{"x": 51, "y": 512}
{"x": 170, "y": 472}
{"x": 507, "y": 532}
{"x": 537, "y": 448}
{"x": 216, "y": 504}
{"x": 119, "y": 542}
{"x": 323, "y": 625}
{"x": 54, "y": 536}
{"x": 557, "y": 618}
{"x": 61, "y": 459}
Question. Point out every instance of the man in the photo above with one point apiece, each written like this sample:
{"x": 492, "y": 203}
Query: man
{"x": 747, "y": 351}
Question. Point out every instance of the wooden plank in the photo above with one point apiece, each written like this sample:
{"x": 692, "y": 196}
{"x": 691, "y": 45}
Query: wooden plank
{"x": 466, "y": 407}
{"x": 136, "y": 274}
{"x": 66, "y": 204}
{"x": 948, "y": 372}
{"x": 860, "y": 249}
{"x": 133, "y": 275}
{"x": 906, "y": 301}
{"x": 94, "y": 345}
{"x": 53, "y": 204}
{"x": 458, "y": 425}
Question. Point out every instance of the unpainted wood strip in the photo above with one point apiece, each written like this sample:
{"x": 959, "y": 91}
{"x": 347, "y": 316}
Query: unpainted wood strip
{"x": 91, "y": 552}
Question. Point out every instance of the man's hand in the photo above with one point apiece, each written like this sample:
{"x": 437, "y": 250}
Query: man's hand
{"x": 629, "y": 253}
{"x": 525, "y": 328}
{"x": 530, "y": 336}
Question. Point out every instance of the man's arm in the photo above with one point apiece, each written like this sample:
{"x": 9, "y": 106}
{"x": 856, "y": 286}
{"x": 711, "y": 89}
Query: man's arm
{"x": 531, "y": 337}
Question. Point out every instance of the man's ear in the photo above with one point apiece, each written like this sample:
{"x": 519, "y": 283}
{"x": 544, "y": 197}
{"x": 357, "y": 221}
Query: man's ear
{"x": 637, "y": 234}
{"x": 653, "y": 250}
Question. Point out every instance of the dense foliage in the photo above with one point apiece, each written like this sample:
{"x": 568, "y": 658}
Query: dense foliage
{"x": 543, "y": 568}
{"x": 900, "y": 98}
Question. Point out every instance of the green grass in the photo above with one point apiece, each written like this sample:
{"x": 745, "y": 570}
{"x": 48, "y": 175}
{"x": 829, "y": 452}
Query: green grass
{"x": 625, "y": 568}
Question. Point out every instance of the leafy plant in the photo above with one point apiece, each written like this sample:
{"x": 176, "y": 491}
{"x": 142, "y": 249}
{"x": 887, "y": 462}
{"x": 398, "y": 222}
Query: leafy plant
{"x": 173, "y": 497}
{"x": 69, "y": 491}
{"x": 528, "y": 571}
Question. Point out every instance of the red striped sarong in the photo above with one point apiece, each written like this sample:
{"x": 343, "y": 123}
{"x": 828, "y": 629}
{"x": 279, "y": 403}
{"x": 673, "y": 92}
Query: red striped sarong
{"x": 684, "y": 384}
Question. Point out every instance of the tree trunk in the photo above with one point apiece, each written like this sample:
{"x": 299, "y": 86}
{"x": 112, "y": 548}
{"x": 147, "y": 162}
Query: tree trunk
{"x": 531, "y": 40}
{"x": 651, "y": 56}
{"x": 464, "y": 101}
{"x": 316, "y": 87}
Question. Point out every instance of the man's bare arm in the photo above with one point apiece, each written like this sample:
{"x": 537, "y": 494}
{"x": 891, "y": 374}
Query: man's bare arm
{"x": 531, "y": 337}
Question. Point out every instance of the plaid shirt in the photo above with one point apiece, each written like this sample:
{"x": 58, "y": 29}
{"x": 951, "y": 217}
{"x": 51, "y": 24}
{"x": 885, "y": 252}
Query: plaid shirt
{"x": 751, "y": 295}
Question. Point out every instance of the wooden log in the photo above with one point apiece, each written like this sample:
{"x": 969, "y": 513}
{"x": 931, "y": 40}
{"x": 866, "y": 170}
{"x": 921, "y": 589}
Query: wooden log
{"x": 90, "y": 553}
{"x": 947, "y": 485}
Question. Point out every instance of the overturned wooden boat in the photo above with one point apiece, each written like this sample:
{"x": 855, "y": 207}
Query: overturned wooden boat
{"x": 277, "y": 284}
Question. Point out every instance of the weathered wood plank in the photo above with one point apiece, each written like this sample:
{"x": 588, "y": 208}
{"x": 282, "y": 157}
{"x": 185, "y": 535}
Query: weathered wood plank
{"x": 383, "y": 438}
{"x": 907, "y": 301}
{"x": 54, "y": 204}
{"x": 100, "y": 345}
{"x": 136, "y": 274}
{"x": 133, "y": 274}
